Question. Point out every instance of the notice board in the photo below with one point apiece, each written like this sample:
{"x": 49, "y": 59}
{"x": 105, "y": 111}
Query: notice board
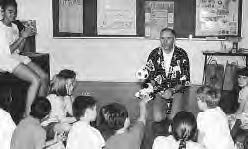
{"x": 84, "y": 17}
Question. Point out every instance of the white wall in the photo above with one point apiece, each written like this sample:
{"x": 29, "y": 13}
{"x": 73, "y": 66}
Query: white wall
{"x": 109, "y": 59}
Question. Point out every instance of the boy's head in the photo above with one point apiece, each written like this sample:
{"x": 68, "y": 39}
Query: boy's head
{"x": 242, "y": 77}
{"x": 84, "y": 106}
{"x": 40, "y": 108}
{"x": 116, "y": 116}
{"x": 9, "y": 10}
{"x": 207, "y": 97}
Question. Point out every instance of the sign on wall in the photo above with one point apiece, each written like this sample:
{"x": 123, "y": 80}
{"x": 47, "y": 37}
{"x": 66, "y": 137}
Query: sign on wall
{"x": 158, "y": 15}
{"x": 217, "y": 17}
{"x": 70, "y": 16}
{"x": 116, "y": 17}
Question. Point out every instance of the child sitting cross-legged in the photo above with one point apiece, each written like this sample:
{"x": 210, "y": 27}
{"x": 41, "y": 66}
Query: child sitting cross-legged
{"x": 125, "y": 136}
{"x": 184, "y": 130}
{"x": 82, "y": 134}
{"x": 212, "y": 122}
{"x": 29, "y": 134}
{"x": 60, "y": 117}
{"x": 239, "y": 120}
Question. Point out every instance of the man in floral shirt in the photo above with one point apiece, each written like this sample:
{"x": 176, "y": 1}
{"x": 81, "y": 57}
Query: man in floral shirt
{"x": 169, "y": 71}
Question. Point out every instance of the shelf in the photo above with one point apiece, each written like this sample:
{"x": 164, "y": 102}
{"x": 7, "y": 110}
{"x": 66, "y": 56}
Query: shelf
{"x": 206, "y": 53}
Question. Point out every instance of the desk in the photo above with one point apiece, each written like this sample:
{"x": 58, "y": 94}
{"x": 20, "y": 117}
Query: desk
{"x": 225, "y": 54}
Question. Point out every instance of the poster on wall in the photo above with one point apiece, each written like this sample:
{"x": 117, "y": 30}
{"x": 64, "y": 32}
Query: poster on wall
{"x": 217, "y": 17}
{"x": 70, "y": 16}
{"x": 116, "y": 17}
{"x": 158, "y": 15}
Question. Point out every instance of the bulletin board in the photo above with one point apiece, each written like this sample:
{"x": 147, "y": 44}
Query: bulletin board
{"x": 218, "y": 17}
{"x": 97, "y": 18}
{"x": 84, "y": 18}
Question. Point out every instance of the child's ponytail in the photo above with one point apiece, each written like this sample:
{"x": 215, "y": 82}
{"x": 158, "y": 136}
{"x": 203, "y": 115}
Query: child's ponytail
{"x": 182, "y": 144}
{"x": 182, "y": 141}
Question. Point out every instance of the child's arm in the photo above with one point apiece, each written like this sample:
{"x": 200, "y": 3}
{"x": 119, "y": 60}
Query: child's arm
{"x": 241, "y": 106}
{"x": 142, "y": 107}
{"x": 13, "y": 47}
{"x": 68, "y": 104}
{"x": 21, "y": 47}
{"x": 19, "y": 42}
{"x": 68, "y": 120}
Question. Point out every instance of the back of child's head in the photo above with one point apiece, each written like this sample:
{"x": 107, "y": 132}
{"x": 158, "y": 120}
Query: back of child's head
{"x": 209, "y": 95}
{"x": 115, "y": 115}
{"x": 81, "y": 104}
{"x": 40, "y": 108}
{"x": 58, "y": 86}
{"x": 184, "y": 127}
{"x": 242, "y": 71}
{"x": 102, "y": 121}
{"x": 67, "y": 74}
{"x": 7, "y": 3}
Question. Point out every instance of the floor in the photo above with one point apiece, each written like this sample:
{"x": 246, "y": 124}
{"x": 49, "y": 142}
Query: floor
{"x": 123, "y": 92}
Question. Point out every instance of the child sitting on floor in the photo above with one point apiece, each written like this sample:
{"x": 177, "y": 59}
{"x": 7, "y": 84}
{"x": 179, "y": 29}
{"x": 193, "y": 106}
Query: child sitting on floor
{"x": 184, "y": 130}
{"x": 212, "y": 122}
{"x": 239, "y": 120}
{"x": 82, "y": 134}
{"x": 126, "y": 137}
{"x": 59, "y": 97}
{"x": 29, "y": 134}
{"x": 60, "y": 117}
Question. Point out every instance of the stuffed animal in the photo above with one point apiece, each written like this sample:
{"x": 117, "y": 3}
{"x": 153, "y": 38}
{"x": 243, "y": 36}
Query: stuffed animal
{"x": 145, "y": 91}
{"x": 142, "y": 74}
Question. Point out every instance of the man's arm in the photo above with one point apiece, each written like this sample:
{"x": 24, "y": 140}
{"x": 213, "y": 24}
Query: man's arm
{"x": 151, "y": 66}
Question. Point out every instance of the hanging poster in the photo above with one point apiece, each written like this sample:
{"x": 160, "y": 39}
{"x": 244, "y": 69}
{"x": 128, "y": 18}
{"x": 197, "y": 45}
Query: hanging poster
{"x": 158, "y": 15}
{"x": 116, "y": 17}
{"x": 217, "y": 17}
{"x": 71, "y": 16}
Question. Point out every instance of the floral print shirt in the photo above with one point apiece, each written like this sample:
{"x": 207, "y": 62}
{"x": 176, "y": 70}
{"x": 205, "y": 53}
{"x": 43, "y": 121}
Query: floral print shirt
{"x": 179, "y": 71}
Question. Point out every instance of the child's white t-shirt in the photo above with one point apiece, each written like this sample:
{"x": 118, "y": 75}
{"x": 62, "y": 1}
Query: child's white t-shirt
{"x": 213, "y": 123}
{"x": 162, "y": 142}
{"x": 82, "y": 135}
{"x": 8, "y": 36}
{"x": 7, "y": 127}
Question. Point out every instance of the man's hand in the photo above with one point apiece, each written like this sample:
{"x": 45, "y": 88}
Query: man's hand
{"x": 167, "y": 94}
